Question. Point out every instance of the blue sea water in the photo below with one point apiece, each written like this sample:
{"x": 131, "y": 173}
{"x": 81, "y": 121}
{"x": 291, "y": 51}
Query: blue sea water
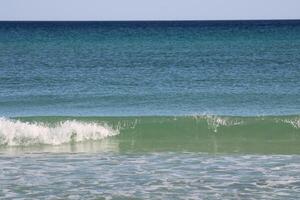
{"x": 150, "y": 68}
{"x": 150, "y": 110}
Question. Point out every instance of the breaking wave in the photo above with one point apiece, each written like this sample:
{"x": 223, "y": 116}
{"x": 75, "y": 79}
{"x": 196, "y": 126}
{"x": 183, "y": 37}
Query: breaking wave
{"x": 20, "y": 133}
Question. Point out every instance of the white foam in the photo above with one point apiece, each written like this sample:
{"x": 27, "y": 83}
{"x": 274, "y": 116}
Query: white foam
{"x": 214, "y": 122}
{"x": 294, "y": 122}
{"x": 17, "y": 133}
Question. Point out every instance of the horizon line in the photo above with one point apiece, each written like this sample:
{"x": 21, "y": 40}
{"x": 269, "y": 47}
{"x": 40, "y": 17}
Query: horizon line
{"x": 167, "y": 20}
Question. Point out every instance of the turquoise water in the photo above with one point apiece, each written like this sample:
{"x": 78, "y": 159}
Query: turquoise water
{"x": 209, "y": 134}
{"x": 150, "y": 110}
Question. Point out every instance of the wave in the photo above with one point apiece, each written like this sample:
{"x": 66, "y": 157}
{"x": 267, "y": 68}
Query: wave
{"x": 201, "y": 133}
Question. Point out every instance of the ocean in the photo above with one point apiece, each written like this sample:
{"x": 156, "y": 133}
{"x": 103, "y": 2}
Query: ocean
{"x": 150, "y": 110}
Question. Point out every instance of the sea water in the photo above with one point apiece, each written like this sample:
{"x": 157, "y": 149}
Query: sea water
{"x": 163, "y": 110}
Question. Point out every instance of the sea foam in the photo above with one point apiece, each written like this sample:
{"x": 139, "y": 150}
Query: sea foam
{"x": 18, "y": 133}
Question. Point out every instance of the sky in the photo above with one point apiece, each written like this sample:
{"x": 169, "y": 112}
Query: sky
{"x": 148, "y": 9}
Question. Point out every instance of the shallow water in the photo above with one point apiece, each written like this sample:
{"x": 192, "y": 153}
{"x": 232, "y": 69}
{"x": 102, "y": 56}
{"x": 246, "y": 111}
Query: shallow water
{"x": 150, "y": 176}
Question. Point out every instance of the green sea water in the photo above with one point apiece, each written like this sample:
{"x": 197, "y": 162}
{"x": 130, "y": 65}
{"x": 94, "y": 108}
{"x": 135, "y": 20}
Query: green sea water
{"x": 210, "y": 134}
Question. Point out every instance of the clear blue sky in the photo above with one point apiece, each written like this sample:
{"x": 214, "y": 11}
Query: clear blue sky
{"x": 148, "y": 9}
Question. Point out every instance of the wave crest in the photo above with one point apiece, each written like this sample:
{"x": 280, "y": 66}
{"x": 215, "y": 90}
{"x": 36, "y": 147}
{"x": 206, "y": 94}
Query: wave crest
{"x": 18, "y": 133}
{"x": 294, "y": 122}
{"x": 214, "y": 122}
